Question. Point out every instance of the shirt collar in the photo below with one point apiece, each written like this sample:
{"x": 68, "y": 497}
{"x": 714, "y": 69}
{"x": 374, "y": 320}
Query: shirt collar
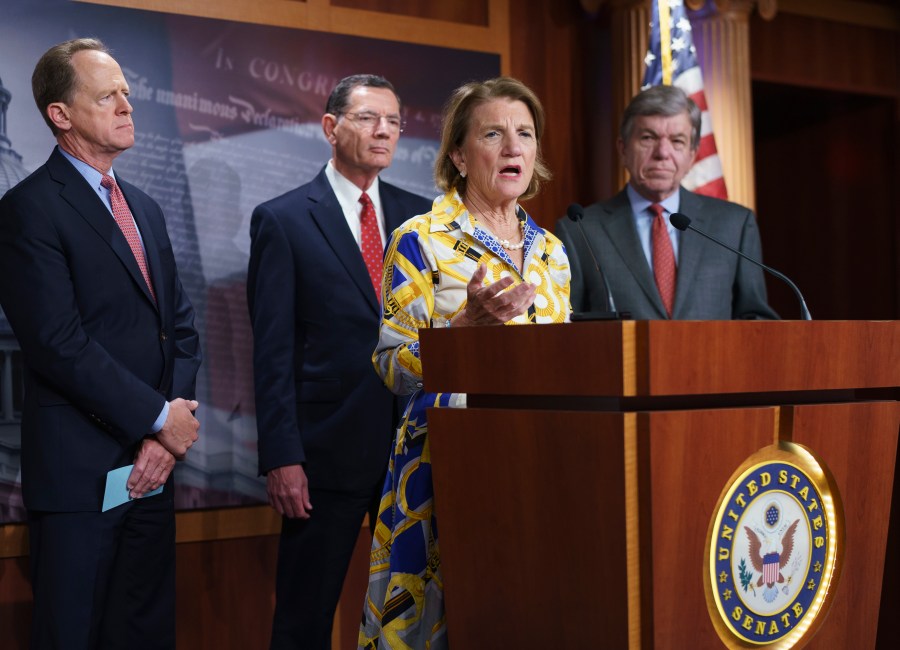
{"x": 641, "y": 206}
{"x": 348, "y": 194}
{"x": 91, "y": 175}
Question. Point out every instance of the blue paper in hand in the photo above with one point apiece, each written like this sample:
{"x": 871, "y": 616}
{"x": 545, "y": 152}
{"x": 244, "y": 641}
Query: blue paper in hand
{"x": 117, "y": 492}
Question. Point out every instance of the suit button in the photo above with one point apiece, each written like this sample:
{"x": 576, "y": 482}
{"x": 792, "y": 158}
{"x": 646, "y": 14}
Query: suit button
{"x": 162, "y": 336}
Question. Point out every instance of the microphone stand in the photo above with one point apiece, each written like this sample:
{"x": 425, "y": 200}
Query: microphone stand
{"x": 576, "y": 213}
{"x": 683, "y": 222}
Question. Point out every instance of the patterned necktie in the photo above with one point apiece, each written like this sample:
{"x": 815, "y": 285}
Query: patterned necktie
{"x": 664, "y": 270}
{"x": 370, "y": 242}
{"x": 122, "y": 214}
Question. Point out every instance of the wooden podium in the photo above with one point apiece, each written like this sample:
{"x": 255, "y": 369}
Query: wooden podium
{"x": 574, "y": 494}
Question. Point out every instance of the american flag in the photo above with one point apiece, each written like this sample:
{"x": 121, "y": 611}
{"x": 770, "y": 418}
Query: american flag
{"x": 672, "y": 60}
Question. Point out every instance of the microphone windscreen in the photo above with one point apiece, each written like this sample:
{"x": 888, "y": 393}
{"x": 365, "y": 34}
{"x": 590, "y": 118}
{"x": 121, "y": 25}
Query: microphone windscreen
{"x": 575, "y": 212}
{"x": 679, "y": 220}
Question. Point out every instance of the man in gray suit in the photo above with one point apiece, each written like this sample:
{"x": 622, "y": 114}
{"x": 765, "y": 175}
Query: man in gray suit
{"x": 655, "y": 271}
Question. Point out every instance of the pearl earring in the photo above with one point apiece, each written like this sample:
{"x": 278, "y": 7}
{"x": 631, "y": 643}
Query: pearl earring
{"x": 462, "y": 173}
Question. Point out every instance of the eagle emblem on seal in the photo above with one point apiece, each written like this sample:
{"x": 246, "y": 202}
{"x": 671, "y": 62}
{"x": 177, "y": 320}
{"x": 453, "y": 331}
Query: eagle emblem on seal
{"x": 765, "y": 557}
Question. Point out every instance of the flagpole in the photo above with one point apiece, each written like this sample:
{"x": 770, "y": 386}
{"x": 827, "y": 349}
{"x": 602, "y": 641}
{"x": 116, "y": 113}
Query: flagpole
{"x": 665, "y": 40}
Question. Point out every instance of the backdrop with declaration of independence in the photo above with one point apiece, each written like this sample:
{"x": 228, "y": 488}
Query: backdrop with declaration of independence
{"x": 227, "y": 115}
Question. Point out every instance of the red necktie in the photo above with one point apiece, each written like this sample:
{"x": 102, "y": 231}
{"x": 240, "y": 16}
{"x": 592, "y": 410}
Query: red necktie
{"x": 664, "y": 270}
{"x": 370, "y": 242}
{"x": 123, "y": 217}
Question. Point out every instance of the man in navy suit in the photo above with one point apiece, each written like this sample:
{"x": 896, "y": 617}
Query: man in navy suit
{"x": 658, "y": 142}
{"x": 111, "y": 356}
{"x": 325, "y": 419}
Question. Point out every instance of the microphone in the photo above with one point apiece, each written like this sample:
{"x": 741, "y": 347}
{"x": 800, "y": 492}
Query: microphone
{"x": 682, "y": 222}
{"x": 576, "y": 213}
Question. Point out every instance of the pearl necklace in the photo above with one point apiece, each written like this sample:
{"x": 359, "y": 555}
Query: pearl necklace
{"x": 514, "y": 247}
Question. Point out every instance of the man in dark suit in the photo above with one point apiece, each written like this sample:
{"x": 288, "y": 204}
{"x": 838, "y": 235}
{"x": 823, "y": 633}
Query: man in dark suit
{"x": 89, "y": 284}
{"x": 325, "y": 419}
{"x": 653, "y": 270}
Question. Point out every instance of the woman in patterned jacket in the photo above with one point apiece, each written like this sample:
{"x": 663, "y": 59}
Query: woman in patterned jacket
{"x": 476, "y": 259}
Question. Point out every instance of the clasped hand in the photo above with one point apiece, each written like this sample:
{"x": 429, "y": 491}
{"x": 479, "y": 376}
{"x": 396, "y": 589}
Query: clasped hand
{"x": 156, "y": 457}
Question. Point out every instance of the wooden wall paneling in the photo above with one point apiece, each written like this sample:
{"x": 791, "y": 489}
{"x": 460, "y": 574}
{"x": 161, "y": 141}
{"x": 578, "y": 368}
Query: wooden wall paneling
{"x": 807, "y": 51}
{"x": 321, "y": 15}
{"x": 827, "y": 166}
{"x": 871, "y": 13}
{"x": 192, "y": 526}
{"x": 225, "y": 595}
{"x": 13, "y": 540}
{"x": 15, "y": 603}
{"x": 547, "y": 54}
{"x": 225, "y": 587}
{"x": 825, "y": 130}
{"x": 226, "y": 523}
{"x": 894, "y": 181}
{"x": 472, "y": 12}
{"x": 630, "y": 38}
{"x": 600, "y": 174}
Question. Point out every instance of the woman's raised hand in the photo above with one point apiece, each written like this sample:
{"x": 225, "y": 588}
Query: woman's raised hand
{"x": 491, "y": 304}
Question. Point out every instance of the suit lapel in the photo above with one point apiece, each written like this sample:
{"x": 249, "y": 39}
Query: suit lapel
{"x": 689, "y": 249}
{"x": 326, "y": 212}
{"x": 395, "y": 213}
{"x": 622, "y": 232}
{"x": 84, "y": 200}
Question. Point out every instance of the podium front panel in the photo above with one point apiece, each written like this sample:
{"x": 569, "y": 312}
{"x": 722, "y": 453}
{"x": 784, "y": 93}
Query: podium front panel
{"x": 573, "y": 503}
{"x": 531, "y": 518}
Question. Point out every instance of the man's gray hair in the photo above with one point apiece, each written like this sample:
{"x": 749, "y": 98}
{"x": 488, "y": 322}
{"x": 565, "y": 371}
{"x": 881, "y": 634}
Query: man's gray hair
{"x": 661, "y": 100}
{"x": 339, "y": 99}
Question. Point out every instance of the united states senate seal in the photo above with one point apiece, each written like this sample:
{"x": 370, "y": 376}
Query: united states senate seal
{"x": 774, "y": 549}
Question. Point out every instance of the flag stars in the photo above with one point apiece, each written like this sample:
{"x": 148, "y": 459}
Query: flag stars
{"x": 681, "y": 68}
